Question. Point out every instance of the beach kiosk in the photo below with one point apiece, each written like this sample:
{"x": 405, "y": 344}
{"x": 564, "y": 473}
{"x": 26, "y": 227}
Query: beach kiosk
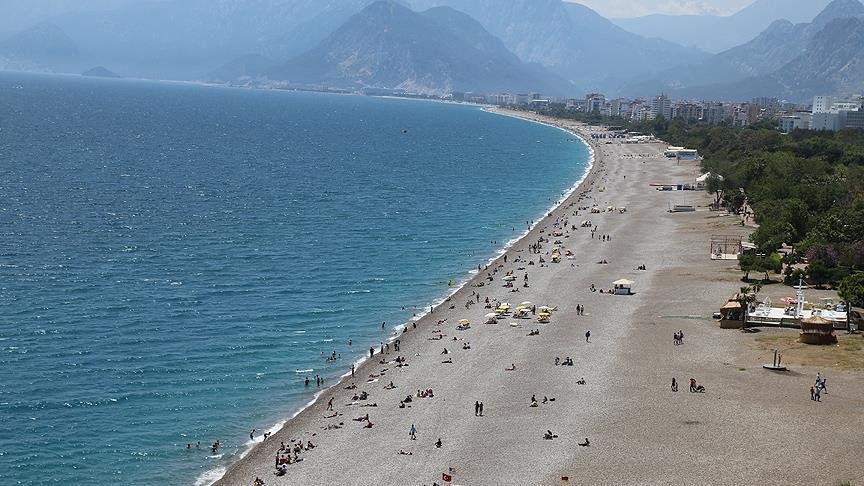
{"x": 622, "y": 287}
{"x": 816, "y": 330}
{"x": 731, "y": 314}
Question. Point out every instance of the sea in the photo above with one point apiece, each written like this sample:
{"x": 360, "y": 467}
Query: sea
{"x": 176, "y": 259}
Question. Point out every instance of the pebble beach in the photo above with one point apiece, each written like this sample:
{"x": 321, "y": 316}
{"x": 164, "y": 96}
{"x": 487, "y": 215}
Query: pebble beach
{"x": 751, "y": 426}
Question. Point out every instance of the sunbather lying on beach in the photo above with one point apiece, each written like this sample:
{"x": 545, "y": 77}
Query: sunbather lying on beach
{"x": 586, "y": 443}
{"x": 403, "y": 453}
{"x": 549, "y": 435}
{"x": 361, "y": 419}
{"x": 511, "y": 368}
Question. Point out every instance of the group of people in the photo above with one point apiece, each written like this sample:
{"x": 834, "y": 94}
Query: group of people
{"x": 820, "y": 387}
{"x": 290, "y": 454}
{"x": 478, "y": 409}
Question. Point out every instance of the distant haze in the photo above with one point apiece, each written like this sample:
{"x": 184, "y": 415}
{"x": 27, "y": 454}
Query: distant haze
{"x": 636, "y": 8}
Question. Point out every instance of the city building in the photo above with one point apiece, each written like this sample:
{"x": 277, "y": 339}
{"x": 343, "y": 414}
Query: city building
{"x": 596, "y": 102}
{"x": 797, "y": 121}
{"x": 661, "y": 106}
{"x": 686, "y": 111}
{"x": 714, "y": 113}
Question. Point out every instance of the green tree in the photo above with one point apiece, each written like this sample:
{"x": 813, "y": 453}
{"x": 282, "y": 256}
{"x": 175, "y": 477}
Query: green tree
{"x": 851, "y": 289}
{"x": 746, "y": 296}
{"x": 714, "y": 186}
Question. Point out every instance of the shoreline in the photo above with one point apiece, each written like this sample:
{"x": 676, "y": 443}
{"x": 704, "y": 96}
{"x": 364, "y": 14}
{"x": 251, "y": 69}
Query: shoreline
{"x": 214, "y": 475}
{"x": 747, "y": 428}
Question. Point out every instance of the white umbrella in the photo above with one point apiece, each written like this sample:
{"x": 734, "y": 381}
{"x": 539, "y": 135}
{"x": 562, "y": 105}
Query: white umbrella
{"x": 527, "y": 304}
{"x": 491, "y": 315}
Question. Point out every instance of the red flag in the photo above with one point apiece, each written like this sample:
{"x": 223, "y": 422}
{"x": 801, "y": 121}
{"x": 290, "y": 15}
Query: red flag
{"x": 446, "y": 477}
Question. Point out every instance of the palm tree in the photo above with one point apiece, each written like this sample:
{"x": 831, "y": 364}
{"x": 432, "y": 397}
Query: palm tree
{"x": 746, "y": 296}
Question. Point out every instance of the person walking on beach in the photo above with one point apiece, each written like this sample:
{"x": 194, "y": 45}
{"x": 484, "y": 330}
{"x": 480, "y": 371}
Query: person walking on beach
{"x": 330, "y": 404}
{"x": 371, "y": 351}
{"x": 352, "y": 370}
{"x": 587, "y": 336}
{"x": 818, "y": 394}
{"x": 252, "y": 434}
{"x": 476, "y": 408}
{"x": 413, "y": 432}
{"x": 674, "y": 385}
{"x": 812, "y": 394}
{"x": 481, "y": 409}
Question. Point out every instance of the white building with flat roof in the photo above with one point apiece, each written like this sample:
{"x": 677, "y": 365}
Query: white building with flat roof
{"x": 661, "y": 106}
{"x": 822, "y": 104}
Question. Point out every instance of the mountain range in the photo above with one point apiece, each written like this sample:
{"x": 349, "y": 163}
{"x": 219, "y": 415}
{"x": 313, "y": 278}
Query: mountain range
{"x": 432, "y": 46}
{"x": 437, "y": 51}
{"x": 785, "y": 60}
{"x": 716, "y": 33}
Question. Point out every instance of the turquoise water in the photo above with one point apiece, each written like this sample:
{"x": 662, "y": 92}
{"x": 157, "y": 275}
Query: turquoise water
{"x": 176, "y": 259}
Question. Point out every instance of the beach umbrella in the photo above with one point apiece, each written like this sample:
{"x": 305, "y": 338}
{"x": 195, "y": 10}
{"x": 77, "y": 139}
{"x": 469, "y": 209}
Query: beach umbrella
{"x": 623, "y": 281}
{"x": 510, "y": 278}
{"x": 464, "y": 321}
{"x": 491, "y": 315}
{"x": 544, "y": 314}
{"x": 520, "y": 307}
{"x": 526, "y": 304}
{"x": 544, "y": 308}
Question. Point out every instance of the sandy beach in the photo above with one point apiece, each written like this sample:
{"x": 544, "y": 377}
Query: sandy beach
{"x": 751, "y": 426}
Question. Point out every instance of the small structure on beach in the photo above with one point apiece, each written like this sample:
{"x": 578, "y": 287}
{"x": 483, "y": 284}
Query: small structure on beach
{"x": 816, "y": 330}
{"x": 728, "y": 247}
{"x": 622, "y": 287}
{"x": 732, "y": 313}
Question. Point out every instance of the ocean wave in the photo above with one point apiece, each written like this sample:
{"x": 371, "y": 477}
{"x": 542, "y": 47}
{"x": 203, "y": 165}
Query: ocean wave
{"x": 210, "y": 476}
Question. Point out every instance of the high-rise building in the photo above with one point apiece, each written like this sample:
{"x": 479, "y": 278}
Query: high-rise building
{"x": 596, "y": 102}
{"x": 822, "y": 104}
{"x": 714, "y": 113}
{"x": 661, "y": 106}
{"x": 686, "y": 111}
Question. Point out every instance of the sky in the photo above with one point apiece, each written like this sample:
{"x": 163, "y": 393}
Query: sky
{"x": 636, "y": 8}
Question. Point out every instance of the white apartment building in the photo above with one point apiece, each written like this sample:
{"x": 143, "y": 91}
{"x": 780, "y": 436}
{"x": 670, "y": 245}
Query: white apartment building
{"x": 661, "y": 106}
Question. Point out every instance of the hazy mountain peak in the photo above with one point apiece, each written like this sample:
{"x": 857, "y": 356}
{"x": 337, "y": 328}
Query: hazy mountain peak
{"x": 718, "y": 33}
{"x": 838, "y": 9}
{"x": 42, "y": 41}
{"x": 388, "y": 45}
